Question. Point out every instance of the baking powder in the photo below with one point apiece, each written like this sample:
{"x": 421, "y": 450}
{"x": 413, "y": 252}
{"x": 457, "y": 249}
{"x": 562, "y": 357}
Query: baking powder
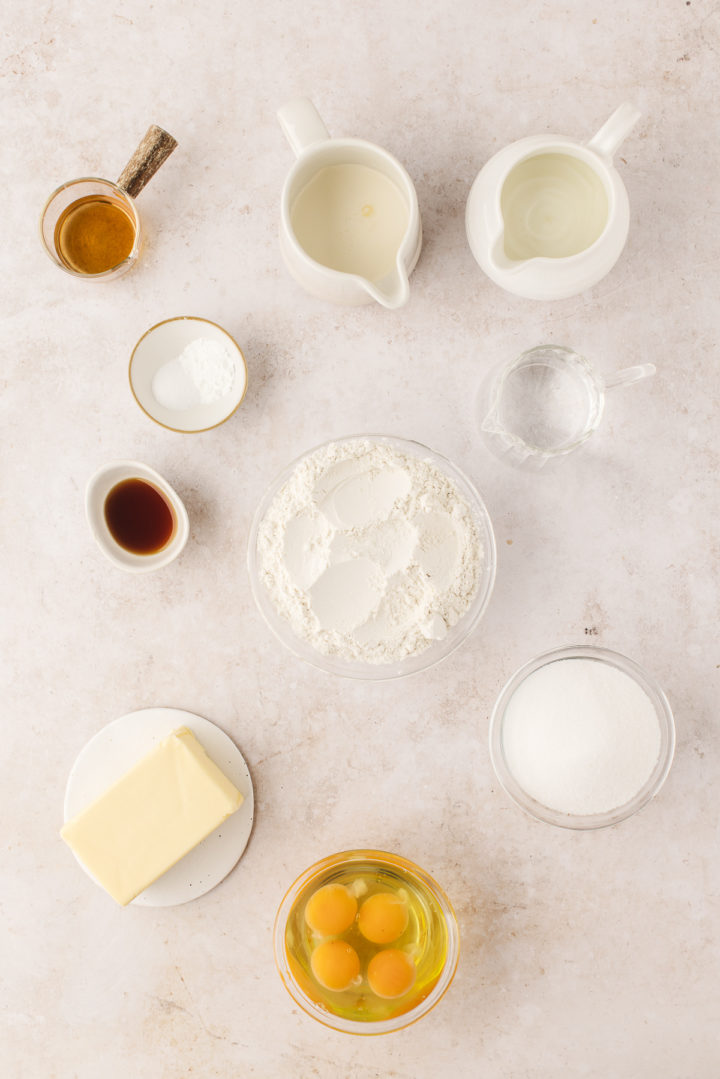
{"x": 202, "y": 374}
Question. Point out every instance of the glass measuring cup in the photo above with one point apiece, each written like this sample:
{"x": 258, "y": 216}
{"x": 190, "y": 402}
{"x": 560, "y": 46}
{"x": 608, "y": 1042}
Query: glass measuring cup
{"x": 103, "y": 218}
{"x": 545, "y": 403}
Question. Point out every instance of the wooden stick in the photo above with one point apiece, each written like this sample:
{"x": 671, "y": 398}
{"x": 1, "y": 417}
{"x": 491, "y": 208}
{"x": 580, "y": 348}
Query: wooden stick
{"x": 155, "y": 148}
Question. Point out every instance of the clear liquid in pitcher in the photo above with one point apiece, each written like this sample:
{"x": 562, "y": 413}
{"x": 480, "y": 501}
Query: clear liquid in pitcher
{"x": 553, "y": 206}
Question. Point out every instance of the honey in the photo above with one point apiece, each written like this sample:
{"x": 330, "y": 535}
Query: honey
{"x": 94, "y": 234}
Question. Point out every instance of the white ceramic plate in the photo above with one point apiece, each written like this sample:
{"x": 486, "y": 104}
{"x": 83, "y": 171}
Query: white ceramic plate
{"x": 116, "y": 748}
{"x": 165, "y": 342}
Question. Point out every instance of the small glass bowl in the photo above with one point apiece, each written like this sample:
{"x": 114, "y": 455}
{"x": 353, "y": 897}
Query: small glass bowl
{"x": 436, "y": 651}
{"x": 595, "y": 820}
{"x": 319, "y": 872}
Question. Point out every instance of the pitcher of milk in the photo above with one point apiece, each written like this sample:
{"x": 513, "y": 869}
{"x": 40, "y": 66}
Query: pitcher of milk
{"x": 349, "y": 220}
{"x": 548, "y": 217}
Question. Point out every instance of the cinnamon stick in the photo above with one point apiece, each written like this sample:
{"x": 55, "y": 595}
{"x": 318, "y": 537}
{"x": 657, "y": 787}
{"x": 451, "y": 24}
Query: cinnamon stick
{"x": 155, "y": 147}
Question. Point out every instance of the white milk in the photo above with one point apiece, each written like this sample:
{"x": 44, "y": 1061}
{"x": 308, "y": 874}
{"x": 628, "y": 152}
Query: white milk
{"x": 553, "y": 205}
{"x": 351, "y": 218}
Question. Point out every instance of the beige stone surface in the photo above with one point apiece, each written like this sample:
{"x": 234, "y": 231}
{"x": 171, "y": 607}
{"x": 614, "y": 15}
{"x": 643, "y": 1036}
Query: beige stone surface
{"x": 586, "y": 955}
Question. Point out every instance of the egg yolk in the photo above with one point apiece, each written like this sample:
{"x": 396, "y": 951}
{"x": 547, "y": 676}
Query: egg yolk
{"x": 335, "y": 965}
{"x": 383, "y": 917}
{"x": 391, "y": 973}
{"x": 330, "y": 910}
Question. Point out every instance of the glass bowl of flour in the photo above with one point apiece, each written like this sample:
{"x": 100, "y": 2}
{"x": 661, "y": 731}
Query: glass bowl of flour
{"x": 371, "y": 557}
{"x": 582, "y": 737}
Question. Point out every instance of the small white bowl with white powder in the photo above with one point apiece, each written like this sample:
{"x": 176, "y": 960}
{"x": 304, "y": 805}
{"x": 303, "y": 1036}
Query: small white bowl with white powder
{"x": 371, "y": 557}
{"x": 582, "y": 737}
{"x": 188, "y": 374}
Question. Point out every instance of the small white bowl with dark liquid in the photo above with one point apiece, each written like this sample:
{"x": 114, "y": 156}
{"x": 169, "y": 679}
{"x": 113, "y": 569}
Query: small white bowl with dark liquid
{"x": 138, "y": 521}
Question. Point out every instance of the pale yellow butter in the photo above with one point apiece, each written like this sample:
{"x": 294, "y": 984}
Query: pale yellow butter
{"x": 152, "y": 816}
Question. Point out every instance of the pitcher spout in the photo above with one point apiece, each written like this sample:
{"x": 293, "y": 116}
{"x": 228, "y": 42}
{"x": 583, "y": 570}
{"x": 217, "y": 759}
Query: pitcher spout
{"x": 391, "y": 291}
{"x": 499, "y": 260}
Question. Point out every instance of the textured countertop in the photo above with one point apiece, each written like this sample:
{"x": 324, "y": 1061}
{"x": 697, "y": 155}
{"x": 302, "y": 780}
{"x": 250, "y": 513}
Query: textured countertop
{"x": 586, "y": 955}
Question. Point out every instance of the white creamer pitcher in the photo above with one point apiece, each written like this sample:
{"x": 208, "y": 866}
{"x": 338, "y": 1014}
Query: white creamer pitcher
{"x": 548, "y": 217}
{"x": 350, "y": 226}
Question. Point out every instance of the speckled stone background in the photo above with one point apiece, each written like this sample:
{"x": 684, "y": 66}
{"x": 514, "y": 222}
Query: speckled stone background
{"x": 583, "y": 955}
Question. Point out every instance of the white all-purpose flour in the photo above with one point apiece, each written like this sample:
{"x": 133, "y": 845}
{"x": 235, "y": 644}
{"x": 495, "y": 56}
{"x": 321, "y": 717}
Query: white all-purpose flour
{"x": 369, "y": 553}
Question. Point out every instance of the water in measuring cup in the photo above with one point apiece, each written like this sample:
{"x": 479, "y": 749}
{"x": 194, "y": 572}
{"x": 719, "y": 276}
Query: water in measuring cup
{"x": 547, "y": 407}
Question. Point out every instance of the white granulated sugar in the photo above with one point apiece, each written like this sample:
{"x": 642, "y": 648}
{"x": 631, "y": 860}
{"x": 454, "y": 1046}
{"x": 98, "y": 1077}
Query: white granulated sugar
{"x": 580, "y": 736}
{"x": 369, "y": 553}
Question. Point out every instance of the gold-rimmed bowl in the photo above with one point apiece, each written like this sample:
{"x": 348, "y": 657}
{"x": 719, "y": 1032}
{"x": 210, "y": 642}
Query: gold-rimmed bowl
{"x": 165, "y": 341}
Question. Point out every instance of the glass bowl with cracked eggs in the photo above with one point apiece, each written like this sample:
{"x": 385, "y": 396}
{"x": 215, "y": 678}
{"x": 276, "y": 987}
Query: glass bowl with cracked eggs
{"x": 371, "y": 557}
{"x": 366, "y": 942}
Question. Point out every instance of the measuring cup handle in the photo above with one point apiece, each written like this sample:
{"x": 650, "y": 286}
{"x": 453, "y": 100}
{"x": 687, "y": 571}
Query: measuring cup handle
{"x": 614, "y": 131}
{"x": 155, "y": 148}
{"x": 301, "y": 124}
{"x": 629, "y": 374}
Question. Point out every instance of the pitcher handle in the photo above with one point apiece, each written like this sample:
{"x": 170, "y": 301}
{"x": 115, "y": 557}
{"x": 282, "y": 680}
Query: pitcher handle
{"x": 614, "y": 131}
{"x": 628, "y": 375}
{"x": 301, "y": 124}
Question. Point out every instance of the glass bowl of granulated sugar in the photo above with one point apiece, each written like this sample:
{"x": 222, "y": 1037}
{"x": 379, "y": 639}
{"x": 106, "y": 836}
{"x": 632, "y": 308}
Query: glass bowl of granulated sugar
{"x": 371, "y": 557}
{"x": 582, "y": 737}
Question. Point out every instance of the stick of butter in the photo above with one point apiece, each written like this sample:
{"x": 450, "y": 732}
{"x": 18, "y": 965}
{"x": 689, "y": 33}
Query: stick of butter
{"x": 152, "y": 816}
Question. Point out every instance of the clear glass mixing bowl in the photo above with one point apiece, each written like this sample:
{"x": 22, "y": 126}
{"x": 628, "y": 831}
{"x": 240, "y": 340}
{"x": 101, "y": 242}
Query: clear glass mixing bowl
{"x": 435, "y": 651}
{"x": 654, "y": 781}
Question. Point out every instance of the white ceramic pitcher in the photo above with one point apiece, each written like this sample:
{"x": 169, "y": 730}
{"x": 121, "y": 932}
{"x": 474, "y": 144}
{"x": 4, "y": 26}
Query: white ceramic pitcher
{"x": 317, "y": 152}
{"x": 547, "y": 207}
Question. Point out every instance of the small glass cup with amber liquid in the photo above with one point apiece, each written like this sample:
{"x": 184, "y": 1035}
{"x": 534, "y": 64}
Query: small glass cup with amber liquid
{"x": 91, "y": 227}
